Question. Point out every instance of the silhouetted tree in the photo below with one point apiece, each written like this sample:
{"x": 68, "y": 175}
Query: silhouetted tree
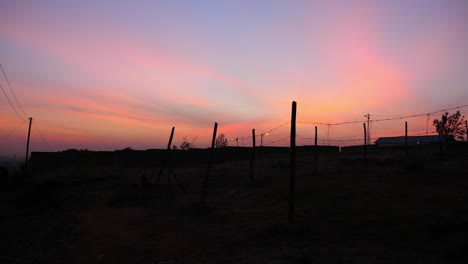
{"x": 186, "y": 145}
{"x": 71, "y": 150}
{"x": 127, "y": 149}
{"x": 221, "y": 141}
{"x": 450, "y": 125}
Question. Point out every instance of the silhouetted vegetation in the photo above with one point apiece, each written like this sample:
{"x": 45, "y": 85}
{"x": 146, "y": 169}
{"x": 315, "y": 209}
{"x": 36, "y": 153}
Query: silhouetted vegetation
{"x": 221, "y": 141}
{"x": 127, "y": 149}
{"x": 450, "y": 125}
{"x": 186, "y": 144}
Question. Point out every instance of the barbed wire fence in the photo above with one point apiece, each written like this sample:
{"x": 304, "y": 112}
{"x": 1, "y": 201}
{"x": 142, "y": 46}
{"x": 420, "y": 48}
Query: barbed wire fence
{"x": 342, "y": 134}
{"x": 350, "y": 134}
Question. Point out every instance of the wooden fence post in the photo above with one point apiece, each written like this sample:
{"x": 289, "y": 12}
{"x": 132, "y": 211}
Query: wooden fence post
{"x": 167, "y": 159}
{"x": 27, "y": 144}
{"x": 292, "y": 172}
{"x": 252, "y": 159}
{"x": 315, "y": 152}
{"x": 167, "y": 163}
{"x": 210, "y": 159}
{"x": 365, "y": 142}
{"x": 466, "y": 128}
{"x": 406, "y": 139}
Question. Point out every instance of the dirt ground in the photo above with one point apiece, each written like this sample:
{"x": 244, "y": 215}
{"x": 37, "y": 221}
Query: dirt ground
{"x": 388, "y": 210}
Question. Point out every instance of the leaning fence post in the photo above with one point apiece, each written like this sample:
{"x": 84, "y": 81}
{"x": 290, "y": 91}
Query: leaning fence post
{"x": 210, "y": 159}
{"x": 292, "y": 169}
{"x": 167, "y": 160}
{"x": 252, "y": 159}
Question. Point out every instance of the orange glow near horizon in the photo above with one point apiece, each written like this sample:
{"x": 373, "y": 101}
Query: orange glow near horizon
{"x": 110, "y": 81}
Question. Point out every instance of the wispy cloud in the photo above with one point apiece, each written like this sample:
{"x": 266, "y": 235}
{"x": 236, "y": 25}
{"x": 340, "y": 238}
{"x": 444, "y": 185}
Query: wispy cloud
{"x": 109, "y": 76}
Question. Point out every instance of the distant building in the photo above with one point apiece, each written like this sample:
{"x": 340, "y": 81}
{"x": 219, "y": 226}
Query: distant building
{"x": 412, "y": 140}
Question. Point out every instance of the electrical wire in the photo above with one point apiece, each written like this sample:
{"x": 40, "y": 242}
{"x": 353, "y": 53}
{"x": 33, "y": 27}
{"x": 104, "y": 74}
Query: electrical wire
{"x": 42, "y": 137}
{"x": 419, "y": 115}
{"x": 383, "y": 119}
{"x": 11, "y": 131}
{"x": 12, "y": 106}
{"x": 11, "y": 89}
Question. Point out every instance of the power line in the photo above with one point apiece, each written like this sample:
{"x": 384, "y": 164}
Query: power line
{"x": 11, "y": 89}
{"x": 11, "y": 131}
{"x": 358, "y": 121}
{"x": 419, "y": 115}
{"x": 42, "y": 137}
{"x": 354, "y": 121}
{"x": 12, "y": 106}
{"x": 383, "y": 119}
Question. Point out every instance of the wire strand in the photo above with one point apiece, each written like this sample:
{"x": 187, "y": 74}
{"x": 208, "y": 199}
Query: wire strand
{"x": 42, "y": 137}
{"x": 11, "y": 131}
{"x": 11, "y": 89}
{"x": 12, "y": 106}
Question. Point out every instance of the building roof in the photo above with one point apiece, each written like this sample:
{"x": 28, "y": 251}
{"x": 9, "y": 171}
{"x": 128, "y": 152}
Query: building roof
{"x": 413, "y": 140}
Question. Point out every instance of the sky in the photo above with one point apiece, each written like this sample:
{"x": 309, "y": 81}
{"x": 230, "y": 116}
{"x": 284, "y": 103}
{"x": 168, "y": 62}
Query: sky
{"x": 106, "y": 75}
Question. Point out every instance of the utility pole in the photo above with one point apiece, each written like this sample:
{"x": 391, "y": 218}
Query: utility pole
{"x": 427, "y": 124}
{"x": 27, "y": 144}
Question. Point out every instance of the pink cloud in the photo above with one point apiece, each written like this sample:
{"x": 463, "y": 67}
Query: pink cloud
{"x": 435, "y": 53}
{"x": 370, "y": 78}
{"x": 113, "y": 55}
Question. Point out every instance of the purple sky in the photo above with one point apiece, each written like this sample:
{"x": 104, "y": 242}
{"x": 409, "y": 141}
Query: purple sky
{"x": 107, "y": 75}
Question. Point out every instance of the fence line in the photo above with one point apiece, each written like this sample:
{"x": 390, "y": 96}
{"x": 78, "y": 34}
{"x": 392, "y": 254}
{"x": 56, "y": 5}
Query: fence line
{"x": 356, "y": 138}
{"x": 376, "y": 128}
